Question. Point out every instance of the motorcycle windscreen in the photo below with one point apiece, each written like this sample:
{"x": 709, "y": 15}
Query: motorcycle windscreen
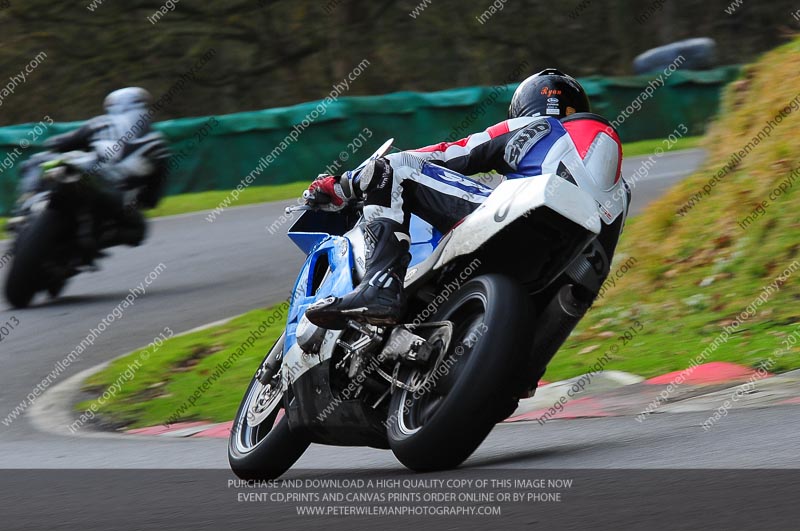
{"x": 314, "y": 226}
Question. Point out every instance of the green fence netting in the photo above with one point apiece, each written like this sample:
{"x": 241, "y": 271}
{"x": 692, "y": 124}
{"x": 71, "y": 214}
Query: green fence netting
{"x": 295, "y": 143}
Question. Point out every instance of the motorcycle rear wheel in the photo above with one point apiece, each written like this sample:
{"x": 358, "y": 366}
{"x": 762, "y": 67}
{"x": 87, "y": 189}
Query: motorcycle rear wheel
{"x": 438, "y": 426}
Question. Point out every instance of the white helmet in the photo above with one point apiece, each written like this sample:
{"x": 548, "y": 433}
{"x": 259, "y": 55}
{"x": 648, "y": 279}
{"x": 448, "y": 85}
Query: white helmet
{"x": 127, "y": 99}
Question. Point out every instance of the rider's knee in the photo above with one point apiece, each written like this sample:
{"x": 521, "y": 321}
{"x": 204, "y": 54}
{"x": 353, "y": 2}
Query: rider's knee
{"x": 376, "y": 175}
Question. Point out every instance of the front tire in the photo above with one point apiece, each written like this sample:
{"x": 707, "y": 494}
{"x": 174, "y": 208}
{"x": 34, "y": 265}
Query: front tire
{"x": 34, "y": 246}
{"x": 439, "y": 426}
{"x": 269, "y": 448}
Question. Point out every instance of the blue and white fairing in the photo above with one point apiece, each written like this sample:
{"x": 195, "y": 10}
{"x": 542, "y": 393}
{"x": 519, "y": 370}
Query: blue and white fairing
{"x": 325, "y": 238}
{"x": 424, "y": 239}
{"x": 334, "y": 253}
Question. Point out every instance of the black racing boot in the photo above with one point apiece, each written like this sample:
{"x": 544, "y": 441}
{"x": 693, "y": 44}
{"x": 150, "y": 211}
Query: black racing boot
{"x": 379, "y": 299}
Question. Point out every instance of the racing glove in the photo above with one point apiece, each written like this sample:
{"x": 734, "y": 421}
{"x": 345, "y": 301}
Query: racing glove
{"x": 331, "y": 188}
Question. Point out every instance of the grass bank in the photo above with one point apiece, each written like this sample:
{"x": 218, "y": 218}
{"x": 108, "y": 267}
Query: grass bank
{"x": 648, "y": 147}
{"x": 201, "y": 375}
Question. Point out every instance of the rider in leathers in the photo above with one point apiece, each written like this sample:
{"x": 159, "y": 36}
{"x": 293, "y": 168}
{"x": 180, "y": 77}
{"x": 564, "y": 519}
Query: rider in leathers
{"x": 127, "y": 157}
{"x": 550, "y": 129}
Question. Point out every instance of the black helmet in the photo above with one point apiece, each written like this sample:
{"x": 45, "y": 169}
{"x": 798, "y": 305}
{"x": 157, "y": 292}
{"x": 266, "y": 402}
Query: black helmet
{"x": 548, "y": 93}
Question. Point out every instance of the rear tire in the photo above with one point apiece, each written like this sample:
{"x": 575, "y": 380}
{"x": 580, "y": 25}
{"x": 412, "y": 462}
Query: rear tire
{"x": 33, "y": 247}
{"x": 269, "y": 449}
{"x": 440, "y": 428}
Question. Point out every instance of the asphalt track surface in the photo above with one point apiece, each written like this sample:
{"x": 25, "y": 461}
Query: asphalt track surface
{"x": 216, "y": 270}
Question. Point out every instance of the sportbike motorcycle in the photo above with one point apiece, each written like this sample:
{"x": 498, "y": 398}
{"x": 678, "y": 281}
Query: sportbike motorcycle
{"x": 489, "y": 303}
{"x": 57, "y": 227}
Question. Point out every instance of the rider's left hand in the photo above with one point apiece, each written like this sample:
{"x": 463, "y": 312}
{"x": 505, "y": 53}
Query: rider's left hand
{"x": 329, "y": 185}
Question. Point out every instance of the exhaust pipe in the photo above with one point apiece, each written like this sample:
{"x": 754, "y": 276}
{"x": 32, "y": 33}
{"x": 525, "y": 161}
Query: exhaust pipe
{"x": 556, "y": 322}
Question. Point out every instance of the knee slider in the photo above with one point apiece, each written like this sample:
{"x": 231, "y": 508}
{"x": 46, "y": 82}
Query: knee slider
{"x": 376, "y": 174}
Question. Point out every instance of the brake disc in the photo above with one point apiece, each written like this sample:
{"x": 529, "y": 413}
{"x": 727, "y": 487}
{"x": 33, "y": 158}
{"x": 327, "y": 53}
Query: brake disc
{"x": 263, "y": 401}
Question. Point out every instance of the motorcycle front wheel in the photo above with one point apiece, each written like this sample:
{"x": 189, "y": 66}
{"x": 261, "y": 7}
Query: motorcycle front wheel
{"x": 261, "y": 444}
{"x": 444, "y": 412}
{"x": 33, "y": 248}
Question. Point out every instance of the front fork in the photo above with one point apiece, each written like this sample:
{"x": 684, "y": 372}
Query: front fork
{"x": 270, "y": 367}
